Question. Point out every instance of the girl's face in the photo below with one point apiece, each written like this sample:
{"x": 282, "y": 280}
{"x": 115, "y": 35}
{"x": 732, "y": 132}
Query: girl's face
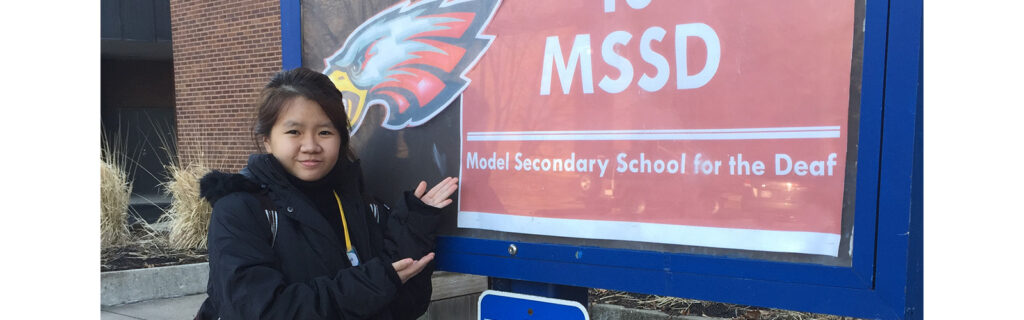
{"x": 304, "y": 140}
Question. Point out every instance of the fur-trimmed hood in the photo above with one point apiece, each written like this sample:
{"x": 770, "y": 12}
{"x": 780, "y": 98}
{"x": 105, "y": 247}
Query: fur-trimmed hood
{"x": 217, "y": 184}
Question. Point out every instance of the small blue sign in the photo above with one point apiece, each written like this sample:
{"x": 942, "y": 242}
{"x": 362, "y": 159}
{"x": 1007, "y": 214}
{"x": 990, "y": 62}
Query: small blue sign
{"x": 500, "y": 305}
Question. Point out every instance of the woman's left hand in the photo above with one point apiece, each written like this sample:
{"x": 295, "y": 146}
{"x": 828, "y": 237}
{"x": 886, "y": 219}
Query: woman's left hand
{"x": 437, "y": 197}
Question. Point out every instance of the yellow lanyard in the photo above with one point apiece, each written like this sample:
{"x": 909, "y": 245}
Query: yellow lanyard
{"x": 344, "y": 225}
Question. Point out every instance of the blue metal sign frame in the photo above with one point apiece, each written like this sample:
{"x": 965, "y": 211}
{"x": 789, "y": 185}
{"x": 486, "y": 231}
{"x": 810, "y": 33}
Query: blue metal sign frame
{"x": 884, "y": 280}
{"x": 291, "y": 34}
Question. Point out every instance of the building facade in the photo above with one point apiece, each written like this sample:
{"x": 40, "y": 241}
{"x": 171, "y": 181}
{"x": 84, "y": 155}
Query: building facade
{"x": 224, "y": 52}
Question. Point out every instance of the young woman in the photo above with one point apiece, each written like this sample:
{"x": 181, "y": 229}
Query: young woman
{"x": 293, "y": 235}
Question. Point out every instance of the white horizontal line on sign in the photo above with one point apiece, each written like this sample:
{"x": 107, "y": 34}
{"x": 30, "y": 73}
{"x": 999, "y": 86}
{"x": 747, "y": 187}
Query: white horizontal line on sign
{"x": 729, "y": 238}
{"x": 822, "y": 132}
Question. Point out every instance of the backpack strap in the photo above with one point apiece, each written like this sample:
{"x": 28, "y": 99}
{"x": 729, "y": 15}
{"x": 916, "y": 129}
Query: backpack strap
{"x": 380, "y": 211}
{"x": 268, "y": 206}
{"x": 271, "y": 211}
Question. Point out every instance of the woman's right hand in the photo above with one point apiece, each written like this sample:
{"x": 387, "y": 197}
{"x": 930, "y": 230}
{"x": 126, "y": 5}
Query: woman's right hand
{"x": 408, "y": 268}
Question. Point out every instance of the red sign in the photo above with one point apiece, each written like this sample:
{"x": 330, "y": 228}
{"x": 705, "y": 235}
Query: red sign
{"x": 706, "y": 123}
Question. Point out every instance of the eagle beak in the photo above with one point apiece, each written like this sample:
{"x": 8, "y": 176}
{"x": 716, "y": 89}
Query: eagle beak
{"x": 355, "y": 99}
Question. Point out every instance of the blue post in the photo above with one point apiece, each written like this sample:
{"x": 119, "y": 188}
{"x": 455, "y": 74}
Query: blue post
{"x": 291, "y": 34}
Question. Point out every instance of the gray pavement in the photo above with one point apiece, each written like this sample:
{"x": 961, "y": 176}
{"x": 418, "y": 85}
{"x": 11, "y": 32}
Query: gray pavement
{"x": 463, "y": 307}
{"x": 161, "y": 309}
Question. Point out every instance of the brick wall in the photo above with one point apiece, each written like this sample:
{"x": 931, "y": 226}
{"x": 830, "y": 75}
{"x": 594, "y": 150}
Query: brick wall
{"x": 224, "y": 52}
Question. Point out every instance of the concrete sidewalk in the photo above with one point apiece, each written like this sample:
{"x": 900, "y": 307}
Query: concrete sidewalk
{"x": 454, "y": 295}
{"x": 184, "y": 308}
{"x": 460, "y": 307}
{"x": 181, "y": 308}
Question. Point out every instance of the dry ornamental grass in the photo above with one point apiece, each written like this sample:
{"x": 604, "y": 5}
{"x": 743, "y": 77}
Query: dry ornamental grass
{"x": 189, "y": 214}
{"x": 115, "y": 194}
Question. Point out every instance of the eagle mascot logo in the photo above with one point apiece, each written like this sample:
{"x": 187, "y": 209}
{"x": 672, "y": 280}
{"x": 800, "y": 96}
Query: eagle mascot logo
{"x": 411, "y": 59}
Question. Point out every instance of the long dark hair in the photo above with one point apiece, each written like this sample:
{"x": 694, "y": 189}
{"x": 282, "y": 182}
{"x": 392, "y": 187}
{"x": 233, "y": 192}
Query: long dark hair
{"x": 312, "y": 85}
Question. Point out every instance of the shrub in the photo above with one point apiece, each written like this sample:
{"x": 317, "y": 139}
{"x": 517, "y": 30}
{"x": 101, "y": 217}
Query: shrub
{"x": 115, "y": 196}
{"x": 189, "y": 214}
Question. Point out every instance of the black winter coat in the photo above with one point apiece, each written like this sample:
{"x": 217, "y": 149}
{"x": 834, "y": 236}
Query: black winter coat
{"x": 304, "y": 273}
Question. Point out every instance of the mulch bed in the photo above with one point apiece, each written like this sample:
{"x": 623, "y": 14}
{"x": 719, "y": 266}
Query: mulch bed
{"x": 682, "y": 307}
{"x": 147, "y": 249}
